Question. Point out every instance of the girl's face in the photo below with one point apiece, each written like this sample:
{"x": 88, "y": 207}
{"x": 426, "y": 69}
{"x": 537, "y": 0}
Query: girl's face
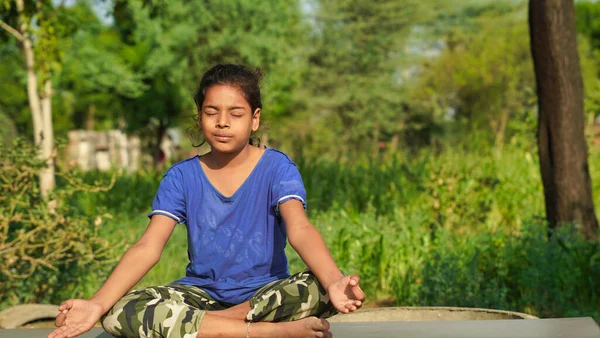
{"x": 226, "y": 119}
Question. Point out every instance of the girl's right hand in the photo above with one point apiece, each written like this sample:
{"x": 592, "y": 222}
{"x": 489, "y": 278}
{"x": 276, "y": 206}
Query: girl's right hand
{"x": 76, "y": 317}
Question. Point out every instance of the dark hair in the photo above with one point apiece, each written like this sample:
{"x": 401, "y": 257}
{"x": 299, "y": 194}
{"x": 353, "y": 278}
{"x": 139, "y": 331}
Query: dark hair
{"x": 246, "y": 80}
{"x": 241, "y": 77}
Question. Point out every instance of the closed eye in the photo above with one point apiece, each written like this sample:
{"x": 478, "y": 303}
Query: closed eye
{"x": 237, "y": 111}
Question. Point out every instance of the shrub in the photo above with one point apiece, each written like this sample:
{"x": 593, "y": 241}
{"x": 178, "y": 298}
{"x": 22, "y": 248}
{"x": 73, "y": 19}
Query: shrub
{"x": 47, "y": 252}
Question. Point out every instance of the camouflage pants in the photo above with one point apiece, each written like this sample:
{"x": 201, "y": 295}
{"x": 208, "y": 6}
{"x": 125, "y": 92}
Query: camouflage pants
{"x": 177, "y": 310}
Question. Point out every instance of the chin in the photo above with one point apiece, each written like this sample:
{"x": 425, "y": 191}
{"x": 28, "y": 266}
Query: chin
{"x": 226, "y": 148}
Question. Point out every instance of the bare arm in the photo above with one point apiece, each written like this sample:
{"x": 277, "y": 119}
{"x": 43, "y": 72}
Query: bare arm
{"x": 344, "y": 291}
{"x": 136, "y": 262}
{"x": 78, "y": 316}
{"x": 309, "y": 244}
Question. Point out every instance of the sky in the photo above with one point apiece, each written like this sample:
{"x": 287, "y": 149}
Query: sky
{"x": 102, "y": 8}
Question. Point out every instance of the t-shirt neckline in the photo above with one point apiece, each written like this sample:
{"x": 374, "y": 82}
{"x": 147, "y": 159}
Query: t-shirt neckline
{"x": 235, "y": 193}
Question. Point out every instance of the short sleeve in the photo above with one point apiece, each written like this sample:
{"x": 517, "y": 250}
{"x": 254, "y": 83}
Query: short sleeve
{"x": 170, "y": 198}
{"x": 288, "y": 185}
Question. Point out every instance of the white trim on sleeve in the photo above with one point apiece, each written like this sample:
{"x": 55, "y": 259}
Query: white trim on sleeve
{"x": 165, "y": 213}
{"x": 290, "y": 196}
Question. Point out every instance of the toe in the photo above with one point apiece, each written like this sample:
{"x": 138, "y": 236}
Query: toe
{"x": 325, "y": 325}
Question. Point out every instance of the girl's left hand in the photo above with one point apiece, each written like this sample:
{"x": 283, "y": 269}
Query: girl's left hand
{"x": 345, "y": 294}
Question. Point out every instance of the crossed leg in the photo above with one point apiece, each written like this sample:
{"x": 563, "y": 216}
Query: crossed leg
{"x": 285, "y": 308}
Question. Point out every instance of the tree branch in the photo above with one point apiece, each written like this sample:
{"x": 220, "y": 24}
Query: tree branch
{"x": 12, "y": 31}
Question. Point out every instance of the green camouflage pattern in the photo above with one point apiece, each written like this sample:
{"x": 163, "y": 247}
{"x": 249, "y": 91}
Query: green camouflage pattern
{"x": 299, "y": 296}
{"x": 176, "y": 310}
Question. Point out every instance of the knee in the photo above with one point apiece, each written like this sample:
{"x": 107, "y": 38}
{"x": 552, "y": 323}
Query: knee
{"x": 300, "y": 296}
{"x": 116, "y": 323}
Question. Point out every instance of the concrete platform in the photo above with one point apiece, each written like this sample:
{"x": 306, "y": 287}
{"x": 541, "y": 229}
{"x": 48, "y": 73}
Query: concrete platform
{"x": 426, "y": 313}
{"x": 535, "y": 328}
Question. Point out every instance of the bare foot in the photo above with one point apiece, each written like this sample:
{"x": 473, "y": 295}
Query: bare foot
{"x": 218, "y": 326}
{"x": 307, "y": 327}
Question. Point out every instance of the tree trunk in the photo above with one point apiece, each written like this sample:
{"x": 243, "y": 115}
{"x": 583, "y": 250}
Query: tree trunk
{"x": 90, "y": 117}
{"x": 47, "y": 145}
{"x": 501, "y": 129}
{"x": 159, "y": 155}
{"x": 561, "y": 139}
{"x": 41, "y": 108}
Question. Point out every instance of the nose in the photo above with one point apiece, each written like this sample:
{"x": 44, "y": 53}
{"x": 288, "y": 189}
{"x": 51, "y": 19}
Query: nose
{"x": 223, "y": 120}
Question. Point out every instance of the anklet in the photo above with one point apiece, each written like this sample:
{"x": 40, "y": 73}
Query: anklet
{"x": 248, "y": 329}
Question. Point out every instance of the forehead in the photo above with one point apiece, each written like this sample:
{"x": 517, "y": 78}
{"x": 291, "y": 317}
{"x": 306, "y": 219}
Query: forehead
{"x": 224, "y": 95}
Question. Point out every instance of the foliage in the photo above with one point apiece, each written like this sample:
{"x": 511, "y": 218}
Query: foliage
{"x": 446, "y": 220}
{"x": 177, "y": 41}
{"x": 522, "y": 270}
{"x": 482, "y": 80}
{"x": 46, "y": 253}
{"x": 131, "y": 194}
{"x": 588, "y": 27}
{"x": 354, "y": 95}
{"x": 13, "y": 103}
{"x": 587, "y": 13}
{"x": 469, "y": 234}
{"x": 454, "y": 228}
{"x": 454, "y": 188}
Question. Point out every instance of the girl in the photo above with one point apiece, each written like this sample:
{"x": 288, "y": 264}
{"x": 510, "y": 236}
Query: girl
{"x": 239, "y": 203}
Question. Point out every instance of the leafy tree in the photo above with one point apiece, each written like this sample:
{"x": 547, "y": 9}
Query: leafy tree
{"x": 587, "y": 14}
{"x": 359, "y": 64}
{"x": 482, "y": 81}
{"x": 178, "y": 41}
{"x": 13, "y": 102}
{"x": 98, "y": 73}
{"x": 587, "y": 22}
{"x": 36, "y": 26}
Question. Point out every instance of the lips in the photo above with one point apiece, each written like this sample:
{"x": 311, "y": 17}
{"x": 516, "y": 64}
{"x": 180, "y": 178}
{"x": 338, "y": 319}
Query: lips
{"x": 222, "y": 137}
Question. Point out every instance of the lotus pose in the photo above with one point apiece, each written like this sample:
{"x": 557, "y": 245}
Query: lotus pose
{"x": 240, "y": 204}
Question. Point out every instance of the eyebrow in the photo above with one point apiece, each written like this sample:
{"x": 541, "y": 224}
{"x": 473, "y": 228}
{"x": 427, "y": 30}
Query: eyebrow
{"x": 217, "y": 108}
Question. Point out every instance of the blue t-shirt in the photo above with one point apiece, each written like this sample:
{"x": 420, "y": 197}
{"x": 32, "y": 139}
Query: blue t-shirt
{"x": 235, "y": 244}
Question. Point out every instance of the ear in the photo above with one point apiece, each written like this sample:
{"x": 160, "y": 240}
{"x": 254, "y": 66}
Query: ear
{"x": 256, "y": 119}
{"x": 199, "y": 117}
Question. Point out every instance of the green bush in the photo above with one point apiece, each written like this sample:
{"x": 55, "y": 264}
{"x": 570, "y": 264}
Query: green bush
{"x": 459, "y": 229}
{"x": 520, "y": 270}
{"x": 47, "y": 252}
{"x": 131, "y": 194}
{"x": 454, "y": 189}
{"x": 527, "y": 271}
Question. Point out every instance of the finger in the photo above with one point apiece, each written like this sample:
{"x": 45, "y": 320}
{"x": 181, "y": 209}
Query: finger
{"x": 358, "y": 293}
{"x": 354, "y": 280}
{"x": 66, "y": 305}
{"x": 60, "y": 319}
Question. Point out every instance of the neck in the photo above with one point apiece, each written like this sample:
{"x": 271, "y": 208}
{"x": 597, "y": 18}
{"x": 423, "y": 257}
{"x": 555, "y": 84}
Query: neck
{"x": 221, "y": 160}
